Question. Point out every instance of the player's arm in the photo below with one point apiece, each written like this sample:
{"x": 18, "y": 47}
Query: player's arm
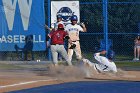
{"x": 84, "y": 27}
{"x": 68, "y": 38}
{"x": 50, "y": 29}
{"x": 49, "y": 35}
{"x": 47, "y": 41}
{"x": 97, "y": 56}
{"x": 70, "y": 41}
{"x": 47, "y": 38}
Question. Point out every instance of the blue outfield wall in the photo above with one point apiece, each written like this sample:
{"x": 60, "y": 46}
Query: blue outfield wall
{"x": 21, "y": 18}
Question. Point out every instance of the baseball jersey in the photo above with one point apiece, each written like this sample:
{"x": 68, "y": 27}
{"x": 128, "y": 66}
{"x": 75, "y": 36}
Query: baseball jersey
{"x": 73, "y": 31}
{"x": 57, "y": 37}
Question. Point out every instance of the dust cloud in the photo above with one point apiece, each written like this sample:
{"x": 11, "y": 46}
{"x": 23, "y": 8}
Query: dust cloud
{"x": 84, "y": 72}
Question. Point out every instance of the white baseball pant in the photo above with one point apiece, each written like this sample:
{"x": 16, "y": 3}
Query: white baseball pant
{"x": 77, "y": 50}
{"x": 55, "y": 49}
{"x": 102, "y": 67}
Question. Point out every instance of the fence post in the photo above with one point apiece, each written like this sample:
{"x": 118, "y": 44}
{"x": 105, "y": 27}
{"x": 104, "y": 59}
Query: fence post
{"x": 105, "y": 22}
{"x": 49, "y": 21}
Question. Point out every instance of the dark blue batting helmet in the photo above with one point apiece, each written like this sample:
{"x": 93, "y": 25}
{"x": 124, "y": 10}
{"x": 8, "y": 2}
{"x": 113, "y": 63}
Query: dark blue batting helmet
{"x": 59, "y": 16}
{"x": 74, "y": 18}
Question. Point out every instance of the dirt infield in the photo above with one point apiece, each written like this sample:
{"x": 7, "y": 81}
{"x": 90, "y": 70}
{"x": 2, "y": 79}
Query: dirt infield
{"x": 25, "y": 75}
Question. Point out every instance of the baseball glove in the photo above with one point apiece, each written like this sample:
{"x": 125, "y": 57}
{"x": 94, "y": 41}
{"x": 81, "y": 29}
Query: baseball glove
{"x": 72, "y": 46}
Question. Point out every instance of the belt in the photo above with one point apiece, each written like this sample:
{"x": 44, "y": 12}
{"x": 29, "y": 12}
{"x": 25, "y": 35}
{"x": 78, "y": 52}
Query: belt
{"x": 57, "y": 44}
{"x": 75, "y": 41}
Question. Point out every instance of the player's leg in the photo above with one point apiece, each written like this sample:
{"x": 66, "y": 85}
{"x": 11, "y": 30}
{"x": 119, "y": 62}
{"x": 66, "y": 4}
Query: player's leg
{"x": 78, "y": 51}
{"x": 135, "y": 53}
{"x": 138, "y": 52}
{"x": 99, "y": 67}
{"x": 32, "y": 53}
{"x": 25, "y": 55}
{"x": 108, "y": 65}
{"x": 70, "y": 53}
{"x": 104, "y": 63}
{"x": 96, "y": 66}
{"x": 87, "y": 62}
{"x": 54, "y": 54}
{"x": 114, "y": 67}
{"x": 64, "y": 54}
{"x": 59, "y": 57}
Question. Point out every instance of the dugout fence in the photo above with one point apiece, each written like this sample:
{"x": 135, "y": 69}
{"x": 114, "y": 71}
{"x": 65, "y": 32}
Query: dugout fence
{"x": 122, "y": 26}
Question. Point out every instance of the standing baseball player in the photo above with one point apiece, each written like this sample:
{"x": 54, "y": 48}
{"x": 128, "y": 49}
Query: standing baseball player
{"x": 73, "y": 30}
{"x": 104, "y": 64}
{"x": 59, "y": 21}
{"x": 55, "y": 25}
{"x": 57, "y": 44}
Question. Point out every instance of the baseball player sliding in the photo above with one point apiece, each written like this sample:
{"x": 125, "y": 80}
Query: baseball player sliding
{"x": 104, "y": 64}
{"x": 73, "y": 30}
{"x": 57, "y": 44}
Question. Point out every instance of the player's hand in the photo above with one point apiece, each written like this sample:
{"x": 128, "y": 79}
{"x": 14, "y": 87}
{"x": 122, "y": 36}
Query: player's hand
{"x": 48, "y": 28}
{"x": 83, "y": 25}
{"x": 72, "y": 46}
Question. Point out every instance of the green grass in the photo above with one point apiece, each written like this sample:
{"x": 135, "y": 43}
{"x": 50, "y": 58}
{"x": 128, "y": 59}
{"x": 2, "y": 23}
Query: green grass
{"x": 127, "y": 64}
{"x": 9, "y": 66}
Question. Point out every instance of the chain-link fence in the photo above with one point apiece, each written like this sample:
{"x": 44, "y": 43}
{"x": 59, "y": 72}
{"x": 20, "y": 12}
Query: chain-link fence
{"x": 123, "y": 27}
